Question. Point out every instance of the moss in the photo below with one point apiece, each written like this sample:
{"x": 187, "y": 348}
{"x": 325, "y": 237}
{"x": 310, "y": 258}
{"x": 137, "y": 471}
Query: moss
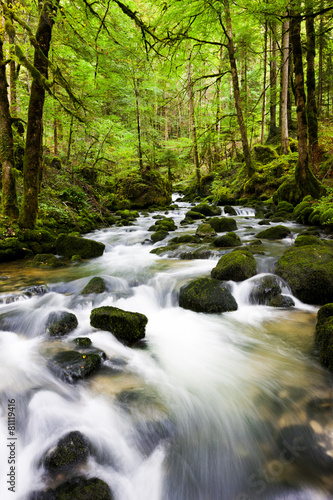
{"x": 45, "y": 260}
{"x": 237, "y": 265}
{"x": 205, "y": 230}
{"x": 127, "y": 327}
{"x": 303, "y": 211}
{"x": 77, "y": 488}
{"x": 71, "y": 245}
{"x": 61, "y": 323}
{"x": 307, "y": 239}
{"x": 159, "y": 236}
{"x": 207, "y": 210}
{"x": 206, "y": 295}
{"x": 324, "y": 335}
{"x": 95, "y": 285}
{"x": 265, "y": 154}
{"x": 281, "y": 301}
{"x": 191, "y": 214}
{"x": 274, "y": 233}
{"x": 221, "y": 224}
{"x": 228, "y": 240}
{"x": 72, "y": 366}
{"x": 71, "y": 450}
{"x": 83, "y": 341}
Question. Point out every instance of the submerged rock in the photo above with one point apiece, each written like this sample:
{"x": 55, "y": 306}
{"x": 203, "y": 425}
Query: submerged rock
{"x": 60, "y": 323}
{"x": 127, "y": 327}
{"x": 281, "y": 301}
{"x": 46, "y": 260}
{"x": 82, "y": 342}
{"x": 72, "y": 366}
{"x": 71, "y": 450}
{"x": 274, "y": 233}
{"x": 73, "y": 245}
{"x": 324, "y": 335}
{"x": 237, "y": 265}
{"x": 264, "y": 289}
{"x": 309, "y": 271}
{"x": 95, "y": 285}
{"x": 79, "y": 488}
{"x": 206, "y": 295}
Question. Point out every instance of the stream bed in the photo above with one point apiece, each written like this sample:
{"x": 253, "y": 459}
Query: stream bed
{"x": 231, "y": 406}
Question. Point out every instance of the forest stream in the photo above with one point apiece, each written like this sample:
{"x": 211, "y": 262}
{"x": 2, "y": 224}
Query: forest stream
{"x": 231, "y": 406}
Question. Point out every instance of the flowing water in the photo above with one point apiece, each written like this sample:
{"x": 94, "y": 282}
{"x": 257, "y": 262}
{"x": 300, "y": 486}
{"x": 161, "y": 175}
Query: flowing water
{"x": 231, "y": 406}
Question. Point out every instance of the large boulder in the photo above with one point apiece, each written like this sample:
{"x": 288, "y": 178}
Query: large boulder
{"x": 205, "y": 231}
{"x": 60, "y": 323}
{"x": 324, "y": 335}
{"x": 309, "y": 271}
{"x": 223, "y": 224}
{"x": 72, "y": 366}
{"x": 73, "y": 245}
{"x": 228, "y": 240}
{"x": 78, "y": 488}
{"x": 71, "y": 450}
{"x": 127, "y": 327}
{"x": 274, "y": 233}
{"x": 207, "y": 210}
{"x": 237, "y": 265}
{"x": 265, "y": 288}
{"x": 206, "y": 295}
{"x": 95, "y": 285}
{"x": 146, "y": 189}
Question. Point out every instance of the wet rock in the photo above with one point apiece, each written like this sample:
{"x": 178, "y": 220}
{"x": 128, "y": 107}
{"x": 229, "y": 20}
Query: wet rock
{"x": 264, "y": 289}
{"x": 72, "y": 366}
{"x": 46, "y": 260}
{"x": 309, "y": 272}
{"x": 324, "y": 335}
{"x": 191, "y": 214}
{"x": 35, "y": 290}
{"x": 205, "y": 230}
{"x": 146, "y": 189}
{"x": 196, "y": 254}
{"x": 82, "y": 342}
{"x": 95, "y": 285}
{"x": 206, "y": 295}
{"x": 207, "y": 210}
{"x": 228, "y": 209}
{"x": 165, "y": 224}
{"x": 60, "y": 323}
{"x": 274, "y": 233}
{"x": 237, "y": 265}
{"x": 281, "y": 301}
{"x": 127, "y": 327}
{"x": 159, "y": 236}
{"x": 223, "y": 224}
{"x": 307, "y": 239}
{"x": 79, "y": 488}
{"x": 11, "y": 249}
{"x": 185, "y": 238}
{"x": 228, "y": 240}
{"x": 71, "y": 450}
{"x": 73, "y": 245}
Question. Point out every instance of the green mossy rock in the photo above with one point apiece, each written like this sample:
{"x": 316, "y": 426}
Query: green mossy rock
{"x": 265, "y": 154}
{"x": 191, "y": 214}
{"x": 71, "y": 450}
{"x": 196, "y": 254}
{"x": 95, "y": 285}
{"x": 72, "y": 366}
{"x": 265, "y": 288}
{"x": 12, "y": 248}
{"x": 127, "y": 327}
{"x": 207, "y": 210}
{"x": 237, "y": 265}
{"x": 60, "y": 323}
{"x": 46, "y": 260}
{"x": 303, "y": 211}
{"x": 281, "y": 301}
{"x": 78, "y": 488}
{"x": 159, "y": 236}
{"x": 228, "y": 240}
{"x": 185, "y": 238}
{"x": 307, "y": 239}
{"x": 205, "y": 231}
{"x": 38, "y": 238}
{"x": 85, "y": 248}
{"x": 324, "y": 335}
{"x": 206, "y": 295}
{"x": 309, "y": 271}
{"x": 83, "y": 342}
{"x": 228, "y": 209}
{"x": 274, "y": 233}
{"x": 146, "y": 190}
{"x": 223, "y": 224}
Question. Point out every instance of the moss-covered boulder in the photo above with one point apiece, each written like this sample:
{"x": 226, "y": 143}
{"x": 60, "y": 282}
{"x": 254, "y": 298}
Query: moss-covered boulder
{"x": 324, "y": 335}
{"x": 265, "y": 288}
{"x": 11, "y": 248}
{"x": 159, "y": 236}
{"x": 72, "y": 366}
{"x": 237, "y": 265}
{"x": 127, "y": 327}
{"x": 71, "y": 450}
{"x": 147, "y": 189}
{"x": 78, "y": 488}
{"x": 199, "y": 253}
{"x": 228, "y": 209}
{"x": 60, "y": 323}
{"x": 206, "y": 295}
{"x": 185, "y": 238}
{"x": 265, "y": 154}
{"x": 274, "y": 233}
{"x": 205, "y": 231}
{"x": 39, "y": 240}
{"x": 85, "y": 248}
{"x": 191, "y": 214}
{"x": 309, "y": 271}
{"x": 165, "y": 224}
{"x": 84, "y": 342}
{"x": 223, "y": 224}
{"x": 307, "y": 239}
{"x": 281, "y": 300}
{"x": 207, "y": 210}
{"x": 303, "y": 211}
{"x": 95, "y": 285}
{"x": 45, "y": 261}
{"x": 228, "y": 240}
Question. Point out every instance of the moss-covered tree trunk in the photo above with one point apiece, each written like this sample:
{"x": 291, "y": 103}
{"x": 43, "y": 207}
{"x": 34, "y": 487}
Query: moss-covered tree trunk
{"x": 305, "y": 180}
{"x": 9, "y": 198}
{"x": 33, "y": 147}
{"x": 193, "y": 126}
{"x": 284, "y": 88}
{"x": 235, "y": 85}
{"x": 311, "y": 86}
{"x": 272, "y": 81}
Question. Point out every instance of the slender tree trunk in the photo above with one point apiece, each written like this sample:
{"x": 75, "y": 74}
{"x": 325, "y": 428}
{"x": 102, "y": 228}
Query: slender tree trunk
{"x": 33, "y": 147}
{"x": 70, "y": 137}
{"x": 311, "y": 87}
{"x": 320, "y": 64}
{"x": 305, "y": 180}
{"x": 263, "y": 111}
{"x": 235, "y": 84}
{"x": 272, "y": 81}
{"x": 12, "y": 71}
{"x": 138, "y": 122}
{"x": 9, "y": 199}
{"x": 284, "y": 88}
{"x": 193, "y": 127}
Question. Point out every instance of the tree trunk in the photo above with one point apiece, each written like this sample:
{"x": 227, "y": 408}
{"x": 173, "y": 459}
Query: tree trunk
{"x": 138, "y": 124}
{"x": 273, "y": 79}
{"x": 12, "y": 71}
{"x": 235, "y": 84}
{"x": 320, "y": 64}
{"x": 9, "y": 198}
{"x": 263, "y": 111}
{"x": 284, "y": 88}
{"x": 33, "y": 147}
{"x": 193, "y": 125}
{"x": 305, "y": 180}
{"x": 311, "y": 88}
